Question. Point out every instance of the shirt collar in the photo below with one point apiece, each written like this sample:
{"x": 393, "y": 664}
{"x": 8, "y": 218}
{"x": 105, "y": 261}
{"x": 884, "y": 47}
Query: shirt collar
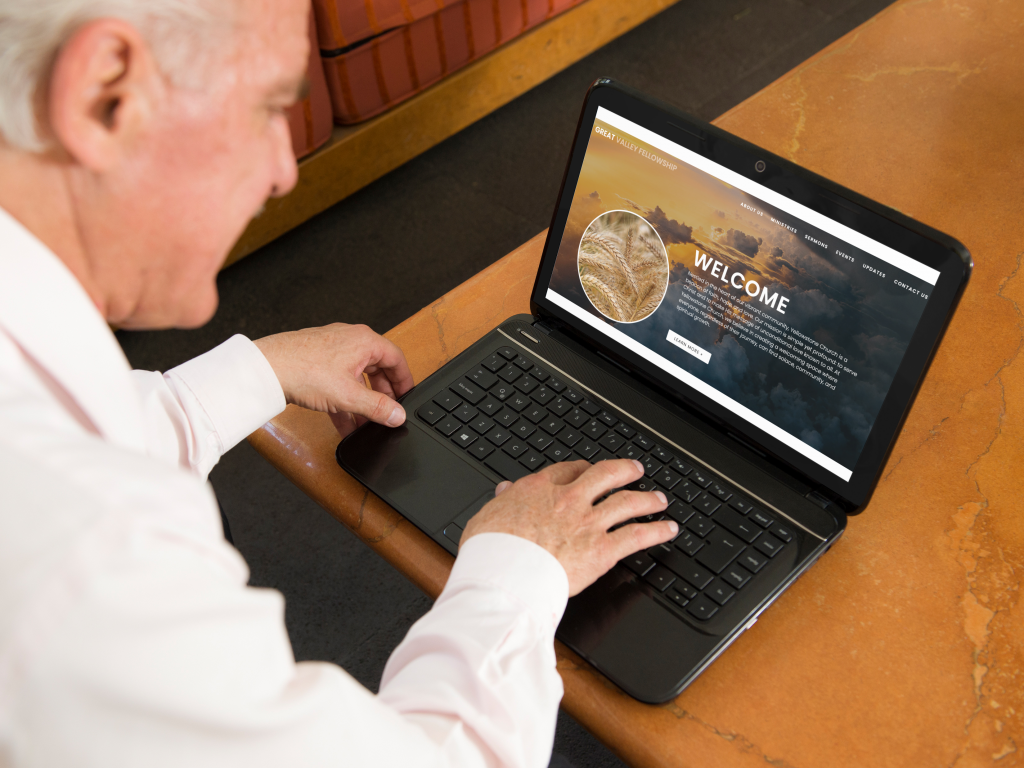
{"x": 46, "y": 311}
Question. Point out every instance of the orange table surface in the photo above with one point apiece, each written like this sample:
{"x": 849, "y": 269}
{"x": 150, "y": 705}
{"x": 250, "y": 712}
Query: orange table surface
{"x": 904, "y": 646}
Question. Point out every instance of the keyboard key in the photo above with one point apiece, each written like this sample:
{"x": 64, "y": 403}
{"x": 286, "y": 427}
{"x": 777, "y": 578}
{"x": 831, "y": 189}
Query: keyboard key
{"x": 494, "y": 363}
{"x": 671, "y": 558}
{"x": 577, "y": 418}
{"x": 630, "y": 451}
{"x": 555, "y": 384}
{"x": 522, "y": 363}
{"x": 469, "y": 390}
{"x": 590, "y": 407}
{"x": 464, "y": 437}
{"x": 677, "y": 597}
{"x": 701, "y": 608}
{"x": 752, "y": 561}
{"x": 594, "y": 429}
{"x": 523, "y": 429}
{"x": 760, "y": 517}
{"x": 695, "y": 574}
{"x": 506, "y": 466}
{"x": 539, "y": 374}
{"x": 465, "y": 413}
{"x": 510, "y": 373}
{"x": 639, "y": 563}
{"x": 643, "y": 485}
{"x": 514, "y": 448}
{"x": 651, "y": 467}
{"x": 707, "y": 504}
{"x": 558, "y": 452}
{"x": 447, "y": 400}
{"x": 453, "y": 532}
{"x": 532, "y": 460}
{"x": 667, "y": 478}
{"x": 687, "y": 491}
{"x": 543, "y": 395}
{"x": 612, "y": 441}
{"x": 570, "y": 437}
{"x": 720, "y": 549}
{"x": 586, "y": 449}
{"x": 431, "y": 413}
{"x": 540, "y": 440}
{"x": 482, "y": 377}
{"x": 741, "y": 505}
{"x": 700, "y": 525}
{"x": 732, "y": 521}
{"x": 607, "y": 418}
{"x": 768, "y": 545}
{"x": 506, "y": 418}
{"x": 688, "y": 543}
{"x": 536, "y": 414}
{"x": 508, "y": 353}
{"x": 489, "y": 405}
{"x": 681, "y": 467}
{"x": 552, "y": 426}
{"x": 481, "y": 424}
{"x": 684, "y": 589}
{"x": 720, "y": 592}
{"x": 573, "y": 396}
{"x": 499, "y": 436}
{"x": 720, "y": 491}
{"x": 448, "y": 426}
{"x": 782, "y": 532}
{"x": 625, "y": 430}
{"x": 699, "y": 477}
{"x": 518, "y": 402}
{"x": 661, "y": 454}
{"x": 560, "y": 406}
{"x": 643, "y": 441}
{"x": 660, "y": 578}
{"x": 527, "y": 384}
{"x": 736, "y": 577}
{"x": 481, "y": 449}
{"x": 502, "y": 391}
{"x": 679, "y": 512}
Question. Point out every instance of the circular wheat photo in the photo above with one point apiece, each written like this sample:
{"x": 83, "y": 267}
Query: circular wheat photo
{"x": 623, "y": 266}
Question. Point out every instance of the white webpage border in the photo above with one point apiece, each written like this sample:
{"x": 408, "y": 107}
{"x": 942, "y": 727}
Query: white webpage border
{"x": 815, "y": 219}
{"x": 705, "y": 389}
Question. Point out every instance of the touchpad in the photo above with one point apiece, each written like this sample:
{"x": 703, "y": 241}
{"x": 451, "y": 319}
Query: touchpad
{"x": 413, "y": 473}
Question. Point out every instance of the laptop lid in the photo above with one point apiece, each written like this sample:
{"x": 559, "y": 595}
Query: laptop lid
{"x": 794, "y": 313}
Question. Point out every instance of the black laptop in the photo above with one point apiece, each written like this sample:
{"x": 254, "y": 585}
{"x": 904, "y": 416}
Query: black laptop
{"x": 751, "y": 332}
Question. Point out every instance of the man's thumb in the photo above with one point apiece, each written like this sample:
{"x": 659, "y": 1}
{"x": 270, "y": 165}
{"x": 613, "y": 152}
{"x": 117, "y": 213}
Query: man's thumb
{"x": 378, "y": 407}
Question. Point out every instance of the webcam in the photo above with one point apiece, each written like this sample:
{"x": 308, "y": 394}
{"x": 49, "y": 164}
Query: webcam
{"x": 759, "y": 166}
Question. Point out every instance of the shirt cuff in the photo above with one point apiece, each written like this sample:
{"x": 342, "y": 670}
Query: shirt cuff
{"x": 236, "y": 387}
{"x": 521, "y": 569}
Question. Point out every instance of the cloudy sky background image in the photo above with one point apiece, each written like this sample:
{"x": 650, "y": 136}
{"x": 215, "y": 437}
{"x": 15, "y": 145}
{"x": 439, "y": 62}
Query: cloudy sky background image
{"x": 860, "y": 315}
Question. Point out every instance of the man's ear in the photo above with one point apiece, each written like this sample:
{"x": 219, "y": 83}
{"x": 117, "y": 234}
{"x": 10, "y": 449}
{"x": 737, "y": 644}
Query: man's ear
{"x": 102, "y": 90}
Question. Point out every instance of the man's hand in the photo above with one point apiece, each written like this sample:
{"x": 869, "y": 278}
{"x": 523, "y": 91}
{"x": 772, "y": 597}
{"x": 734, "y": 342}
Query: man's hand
{"x": 555, "y": 509}
{"x": 322, "y": 369}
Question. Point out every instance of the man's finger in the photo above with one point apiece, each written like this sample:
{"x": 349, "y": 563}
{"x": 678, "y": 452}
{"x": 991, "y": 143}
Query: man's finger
{"x": 503, "y": 486}
{"x": 565, "y": 472}
{"x": 637, "y": 536}
{"x": 625, "y": 505}
{"x": 607, "y": 475}
{"x": 389, "y": 360}
{"x": 375, "y": 406}
{"x": 380, "y": 382}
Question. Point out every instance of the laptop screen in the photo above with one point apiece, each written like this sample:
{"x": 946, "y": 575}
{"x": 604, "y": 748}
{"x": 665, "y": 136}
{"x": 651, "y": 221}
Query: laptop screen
{"x": 791, "y": 321}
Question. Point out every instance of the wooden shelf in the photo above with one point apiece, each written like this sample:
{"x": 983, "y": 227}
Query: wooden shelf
{"x": 359, "y": 154}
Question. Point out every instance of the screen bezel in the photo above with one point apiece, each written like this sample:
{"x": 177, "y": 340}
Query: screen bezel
{"x": 882, "y": 224}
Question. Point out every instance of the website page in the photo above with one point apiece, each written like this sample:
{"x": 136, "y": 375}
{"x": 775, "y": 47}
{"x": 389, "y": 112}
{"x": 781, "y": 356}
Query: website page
{"x": 788, "y": 319}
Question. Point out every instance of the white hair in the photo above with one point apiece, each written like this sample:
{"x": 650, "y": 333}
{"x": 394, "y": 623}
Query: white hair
{"x": 182, "y": 35}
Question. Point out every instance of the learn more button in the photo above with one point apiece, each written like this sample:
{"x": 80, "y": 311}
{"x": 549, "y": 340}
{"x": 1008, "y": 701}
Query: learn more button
{"x": 685, "y": 344}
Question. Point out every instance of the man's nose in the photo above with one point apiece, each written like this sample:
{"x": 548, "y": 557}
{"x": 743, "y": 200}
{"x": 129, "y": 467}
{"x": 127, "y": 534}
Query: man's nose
{"x": 286, "y": 171}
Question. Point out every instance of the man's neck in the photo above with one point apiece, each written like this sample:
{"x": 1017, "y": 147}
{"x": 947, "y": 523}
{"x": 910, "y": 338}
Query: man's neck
{"x": 34, "y": 190}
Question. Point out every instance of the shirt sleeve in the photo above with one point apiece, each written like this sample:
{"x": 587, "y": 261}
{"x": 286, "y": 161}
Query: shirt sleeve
{"x": 195, "y": 413}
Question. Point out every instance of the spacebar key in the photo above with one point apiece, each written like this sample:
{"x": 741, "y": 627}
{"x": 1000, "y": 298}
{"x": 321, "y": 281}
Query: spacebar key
{"x": 506, "y": 466}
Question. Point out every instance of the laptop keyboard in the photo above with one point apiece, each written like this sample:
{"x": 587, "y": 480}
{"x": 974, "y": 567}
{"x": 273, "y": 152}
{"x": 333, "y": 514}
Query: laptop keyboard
{"x": 515, "y": 417}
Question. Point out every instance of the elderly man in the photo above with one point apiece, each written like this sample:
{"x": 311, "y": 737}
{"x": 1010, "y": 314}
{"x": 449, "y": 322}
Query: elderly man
{"x": 138, "y": 138}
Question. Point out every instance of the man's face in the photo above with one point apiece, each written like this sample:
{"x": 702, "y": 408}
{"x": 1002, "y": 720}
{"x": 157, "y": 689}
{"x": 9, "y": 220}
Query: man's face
{"x": 203, "y": 166}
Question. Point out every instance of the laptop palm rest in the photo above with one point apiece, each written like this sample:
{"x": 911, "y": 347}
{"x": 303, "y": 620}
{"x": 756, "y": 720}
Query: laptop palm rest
{"x": 408, "y": 469}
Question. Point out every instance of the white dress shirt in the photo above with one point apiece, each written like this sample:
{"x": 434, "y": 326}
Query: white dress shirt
{"x": 128, "y": 636}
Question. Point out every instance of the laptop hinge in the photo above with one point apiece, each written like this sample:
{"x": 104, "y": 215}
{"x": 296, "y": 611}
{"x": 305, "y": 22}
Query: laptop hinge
{"x": 818, "y": 499}
{"x": 540, "y": 326}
